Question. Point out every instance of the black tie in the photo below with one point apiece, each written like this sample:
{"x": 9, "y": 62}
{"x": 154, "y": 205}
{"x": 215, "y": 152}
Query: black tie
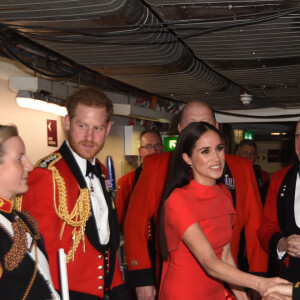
{"x": 94, "y": 169}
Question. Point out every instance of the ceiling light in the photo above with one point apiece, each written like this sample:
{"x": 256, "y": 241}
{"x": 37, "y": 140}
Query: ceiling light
{"x": 278, "y": 133}
{"x": 246, "y": 98}
{"x": 42, "y": 102}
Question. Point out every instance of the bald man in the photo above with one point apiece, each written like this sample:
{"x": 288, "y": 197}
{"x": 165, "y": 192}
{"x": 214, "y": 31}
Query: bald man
{"x": 144, "y": 205}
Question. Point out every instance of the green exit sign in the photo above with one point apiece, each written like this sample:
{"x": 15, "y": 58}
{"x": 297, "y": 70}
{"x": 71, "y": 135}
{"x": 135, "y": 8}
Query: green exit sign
{"x": 248, "y": 135}
{"x": 170, "y": 143}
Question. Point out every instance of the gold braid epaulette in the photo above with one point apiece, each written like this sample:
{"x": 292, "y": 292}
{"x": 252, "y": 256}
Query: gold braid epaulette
{"x": 78, "y": 216}
{"x": 80, "y": 212}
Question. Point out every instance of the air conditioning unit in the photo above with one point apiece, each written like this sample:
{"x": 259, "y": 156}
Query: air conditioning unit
{"x": 40, "y": 85}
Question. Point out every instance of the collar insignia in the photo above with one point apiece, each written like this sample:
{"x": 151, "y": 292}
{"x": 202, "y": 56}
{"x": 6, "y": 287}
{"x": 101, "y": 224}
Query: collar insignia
{"x": 6, "y": 205}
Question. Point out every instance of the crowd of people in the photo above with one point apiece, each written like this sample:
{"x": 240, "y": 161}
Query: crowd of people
{"x": 194, "y": 222}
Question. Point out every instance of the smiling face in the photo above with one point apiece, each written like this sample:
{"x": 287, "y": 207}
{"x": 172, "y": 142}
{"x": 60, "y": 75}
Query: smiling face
{"x": 14, "y": 168}
{"x": 207, "y": 159}
{"x": 87, "y": 130}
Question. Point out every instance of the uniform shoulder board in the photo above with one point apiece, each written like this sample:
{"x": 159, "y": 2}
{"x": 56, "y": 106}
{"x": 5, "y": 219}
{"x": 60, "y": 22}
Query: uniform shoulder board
{"x": 48, "y": 161}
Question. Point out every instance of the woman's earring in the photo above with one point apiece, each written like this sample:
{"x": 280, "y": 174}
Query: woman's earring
{"x": 191, "y": 171}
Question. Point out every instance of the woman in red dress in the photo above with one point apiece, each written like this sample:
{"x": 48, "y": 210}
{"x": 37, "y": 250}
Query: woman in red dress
{"x": 196, "y": 224}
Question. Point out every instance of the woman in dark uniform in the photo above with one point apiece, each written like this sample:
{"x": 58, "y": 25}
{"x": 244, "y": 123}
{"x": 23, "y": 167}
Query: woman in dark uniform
{"x": 24, "y": 270}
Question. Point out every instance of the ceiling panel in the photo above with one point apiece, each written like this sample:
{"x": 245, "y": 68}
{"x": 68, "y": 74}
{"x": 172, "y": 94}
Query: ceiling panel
{"x": 180, "y": 50}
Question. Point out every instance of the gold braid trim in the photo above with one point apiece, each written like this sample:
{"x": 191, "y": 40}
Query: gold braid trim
{"x": 34, "y": 272}
{"x": 18, "y": 203}
{"x": 78, "y": 216}
{"x": 19, "y": 241}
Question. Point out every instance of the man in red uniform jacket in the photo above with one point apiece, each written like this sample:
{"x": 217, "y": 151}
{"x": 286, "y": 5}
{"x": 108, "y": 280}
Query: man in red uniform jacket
{"x": 71, "y": 199}
{"x": 247, "y": 148}
{"x": 150, "y": 143}
{"x": 279, "y": 231}
{"x": 145, "y": 201}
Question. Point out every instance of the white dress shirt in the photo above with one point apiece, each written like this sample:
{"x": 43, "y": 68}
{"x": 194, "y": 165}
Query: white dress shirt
{"x": 98, "y": 202}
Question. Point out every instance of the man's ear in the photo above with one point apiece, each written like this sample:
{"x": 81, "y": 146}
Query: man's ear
{"x": 186, "y": 158}
{"x": 140, "y": 151}
{"x": 67, "y": 121}
{"x": 108, "y": 128}
{"x": 179, "y": 127}
{"x": 217, "y": 125}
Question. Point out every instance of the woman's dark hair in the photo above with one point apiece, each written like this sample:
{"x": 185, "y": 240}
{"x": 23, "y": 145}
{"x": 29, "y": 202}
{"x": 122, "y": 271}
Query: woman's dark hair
{"x": 179, "y": 174}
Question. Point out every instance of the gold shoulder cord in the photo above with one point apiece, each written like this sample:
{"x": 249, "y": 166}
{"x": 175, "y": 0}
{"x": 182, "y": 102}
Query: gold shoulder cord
{"x": 78, "y": 216}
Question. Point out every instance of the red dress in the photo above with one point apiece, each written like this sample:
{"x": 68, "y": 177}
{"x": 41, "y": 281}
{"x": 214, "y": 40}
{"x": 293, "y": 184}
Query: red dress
{"x": 212, "y": 208}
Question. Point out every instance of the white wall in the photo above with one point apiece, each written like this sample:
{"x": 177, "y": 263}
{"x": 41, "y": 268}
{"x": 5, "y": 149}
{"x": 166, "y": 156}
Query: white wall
{"x": 262, "y": 151}
{"x": 114, "y": 147}
{"x": 31, "y": 124}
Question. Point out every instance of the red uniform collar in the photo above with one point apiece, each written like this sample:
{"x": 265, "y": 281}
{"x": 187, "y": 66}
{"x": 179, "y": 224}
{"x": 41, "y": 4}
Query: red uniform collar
{"x": 6, "y": 205}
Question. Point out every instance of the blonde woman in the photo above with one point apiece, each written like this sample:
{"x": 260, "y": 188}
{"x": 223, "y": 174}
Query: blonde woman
{"x": 24, "y": 270}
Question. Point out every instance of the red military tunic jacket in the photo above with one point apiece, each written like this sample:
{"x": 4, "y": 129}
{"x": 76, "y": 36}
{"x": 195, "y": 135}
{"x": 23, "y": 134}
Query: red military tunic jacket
{"x": 95, "y": 270}
{"x": 125, "y": 188}
{"x": 269, "y": 223}
{"x": 144, "y": 204}
{"x": 248, "y": 211}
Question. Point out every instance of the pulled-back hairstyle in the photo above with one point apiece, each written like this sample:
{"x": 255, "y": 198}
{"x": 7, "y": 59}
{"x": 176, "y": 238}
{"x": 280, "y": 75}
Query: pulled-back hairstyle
{"x": 90, "y": 96}
{"x": 179, "y": 174}
{"x": 6, "y": 132}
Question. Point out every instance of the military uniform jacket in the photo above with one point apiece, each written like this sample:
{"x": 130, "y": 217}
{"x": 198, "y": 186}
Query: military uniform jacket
{"x": 97, "y": 269}
{"x": 144, "y": 204}
{"x": 278, "y": 219}
{"x": 126, "y": 185}
{"x": 125, "y": 189}
{"x": 248, "y": 207}
{"x": 17, "y": 267}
